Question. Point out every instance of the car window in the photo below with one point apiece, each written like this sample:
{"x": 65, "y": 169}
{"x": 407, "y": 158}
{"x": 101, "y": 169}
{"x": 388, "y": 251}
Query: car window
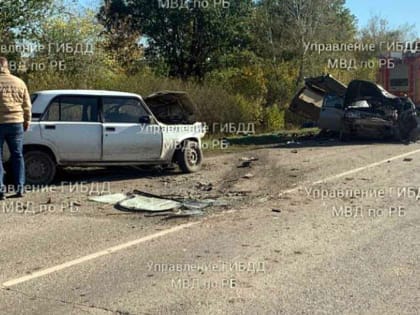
{"x": 73, "y": 108}
{"x": 332, "y": 101}
{"x": 122, "y": 109}
{"x": 33, "y": 97}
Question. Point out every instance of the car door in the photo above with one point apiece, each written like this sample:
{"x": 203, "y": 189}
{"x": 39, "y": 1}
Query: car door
{"x": 331, "y": 115}
{"x": 124, "y": 137}
{"x": 71, "y": 126}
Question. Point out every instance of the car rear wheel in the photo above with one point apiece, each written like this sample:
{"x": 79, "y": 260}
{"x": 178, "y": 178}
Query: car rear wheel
{"x": 189, "y": 157}
{"x": 343, "y": 135}
{"x": 40, "y": 167}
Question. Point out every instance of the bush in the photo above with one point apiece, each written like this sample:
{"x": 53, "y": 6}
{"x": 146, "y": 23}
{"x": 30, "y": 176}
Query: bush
{"x": 248, "y": 81}
{"x": 273, "y": 118}
{"x": 215, "y": 104}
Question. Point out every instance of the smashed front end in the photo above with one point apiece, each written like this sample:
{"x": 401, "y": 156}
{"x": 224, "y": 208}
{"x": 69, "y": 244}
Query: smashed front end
{"x": 372, "y": 112}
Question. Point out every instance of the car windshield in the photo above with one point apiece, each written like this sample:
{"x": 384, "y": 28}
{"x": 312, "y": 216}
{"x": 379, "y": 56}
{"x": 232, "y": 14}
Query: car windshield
{"x": 33, "y": 97}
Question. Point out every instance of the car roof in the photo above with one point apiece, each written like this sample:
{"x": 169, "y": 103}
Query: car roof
{"x": 45, "y": 97}
{"x": 86, "y": 92}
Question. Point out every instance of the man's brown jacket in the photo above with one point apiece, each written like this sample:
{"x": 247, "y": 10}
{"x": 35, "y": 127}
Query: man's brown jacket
{"x": 15, "y": 102}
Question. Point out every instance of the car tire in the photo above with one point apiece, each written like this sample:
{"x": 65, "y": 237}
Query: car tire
{"x": 343, "y": 136}
{"x": 40, "y": 167}
{"x": 414, "y": 135}
{"x": 189, "y": 157}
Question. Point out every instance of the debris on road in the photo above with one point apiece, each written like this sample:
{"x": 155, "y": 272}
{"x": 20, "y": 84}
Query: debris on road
{"x": 109, "y": 199}
{"x": 184, "y": 214}
{"x": 152, "y": 204}
{"x": 407, "y": 159}
{"x": 246, "y": 161}
{"x": 294, "y": 151}
{"x": 155, "y": 205}
{"x": 276, "y": 210}
{"x": 49, "y": 201}
{"x": 76, "y": 203}
{"x": 248, "y": 175}
{"x": 244, "y": 164}
{"x": 158, "y": 214}
{"x": 204, "y": 187}
{"x": 245, "y": 158}
{"x": 195, "y": 204}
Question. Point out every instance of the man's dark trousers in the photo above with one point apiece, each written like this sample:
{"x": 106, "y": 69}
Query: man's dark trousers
{"x": 12, "y": 134}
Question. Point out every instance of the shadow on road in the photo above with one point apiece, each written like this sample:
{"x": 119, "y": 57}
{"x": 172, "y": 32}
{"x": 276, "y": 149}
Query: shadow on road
{"x": 73, "y": 175}
{"x": 303, "y": 141}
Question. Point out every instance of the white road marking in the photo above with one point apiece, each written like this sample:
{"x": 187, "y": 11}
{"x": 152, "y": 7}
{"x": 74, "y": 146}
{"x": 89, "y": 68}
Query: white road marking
{"x": 353, "y": 171}
{"x": 101, "y": 253}
{"x": 144, "y": 239}
{"x": 366, "y": 167}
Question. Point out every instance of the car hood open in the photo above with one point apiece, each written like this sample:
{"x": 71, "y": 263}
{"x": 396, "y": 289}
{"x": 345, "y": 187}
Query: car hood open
{"x": 308, "y": 101}
{"x": 172, "y": 107}
{"x": 366, "y": 90}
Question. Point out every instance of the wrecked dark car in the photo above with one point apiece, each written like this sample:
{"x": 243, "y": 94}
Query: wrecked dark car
{"x": 310, "y": 100}
{"x": 363, "y": 109}
{"x": 371, "y": 111}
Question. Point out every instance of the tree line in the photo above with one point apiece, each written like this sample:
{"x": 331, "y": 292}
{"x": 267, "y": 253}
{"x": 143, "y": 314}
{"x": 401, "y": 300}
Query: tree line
{"x": 241, "y": 60}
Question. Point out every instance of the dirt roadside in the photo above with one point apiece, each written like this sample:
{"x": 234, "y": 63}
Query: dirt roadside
{"x": 228, "y": 177}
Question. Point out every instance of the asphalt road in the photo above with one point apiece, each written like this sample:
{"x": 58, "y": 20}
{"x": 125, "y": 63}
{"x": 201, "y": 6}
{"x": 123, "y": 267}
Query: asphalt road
{"x": 323, "y": 229}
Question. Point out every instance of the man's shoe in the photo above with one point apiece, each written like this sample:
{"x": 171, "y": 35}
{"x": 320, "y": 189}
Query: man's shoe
{"x": 17, "y": 195}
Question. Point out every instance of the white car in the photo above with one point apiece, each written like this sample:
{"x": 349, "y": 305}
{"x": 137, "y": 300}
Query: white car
{"x": 104, "y": 128}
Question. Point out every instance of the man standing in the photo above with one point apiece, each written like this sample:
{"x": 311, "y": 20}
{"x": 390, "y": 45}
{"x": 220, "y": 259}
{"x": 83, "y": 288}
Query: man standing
{"x": 15, "y": 117}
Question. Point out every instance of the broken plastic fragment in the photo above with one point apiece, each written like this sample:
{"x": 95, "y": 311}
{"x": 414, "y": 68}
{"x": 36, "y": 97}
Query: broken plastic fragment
{"x": 110, "y": 199}
{"x": 184, "y": 214}
{"x": 195, "y": 204}
{"x": 142, "y": 203}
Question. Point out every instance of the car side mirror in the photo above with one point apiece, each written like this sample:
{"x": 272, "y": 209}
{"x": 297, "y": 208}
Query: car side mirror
{"x": 145, "y": 119}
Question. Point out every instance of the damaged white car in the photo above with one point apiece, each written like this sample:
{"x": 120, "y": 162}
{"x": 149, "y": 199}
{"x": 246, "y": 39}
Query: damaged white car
{"x": 105, "y": 128}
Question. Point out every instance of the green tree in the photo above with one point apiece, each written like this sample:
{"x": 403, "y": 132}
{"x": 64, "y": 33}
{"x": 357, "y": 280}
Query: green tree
{"x": 73, "y": 51}
{"x": 285, "y": 26}
{"x": 121, "y": 36}
{"x": 21, "y": 17}
{"x": 18, "y": 20}
{"x": 190, "y": 40}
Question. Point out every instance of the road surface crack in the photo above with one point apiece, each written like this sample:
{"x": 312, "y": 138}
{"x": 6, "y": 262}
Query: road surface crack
{"x": 74, "y": 304}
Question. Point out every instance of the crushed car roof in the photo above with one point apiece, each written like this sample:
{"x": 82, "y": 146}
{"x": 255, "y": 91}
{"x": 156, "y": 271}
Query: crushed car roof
{"x": 327, "y": 84}
{"x": 308, "y": 100}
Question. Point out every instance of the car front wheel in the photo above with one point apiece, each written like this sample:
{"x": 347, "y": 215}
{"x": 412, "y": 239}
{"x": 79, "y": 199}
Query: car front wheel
{"x": 189, "y": 157}
{"x": 40, "y": 168}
